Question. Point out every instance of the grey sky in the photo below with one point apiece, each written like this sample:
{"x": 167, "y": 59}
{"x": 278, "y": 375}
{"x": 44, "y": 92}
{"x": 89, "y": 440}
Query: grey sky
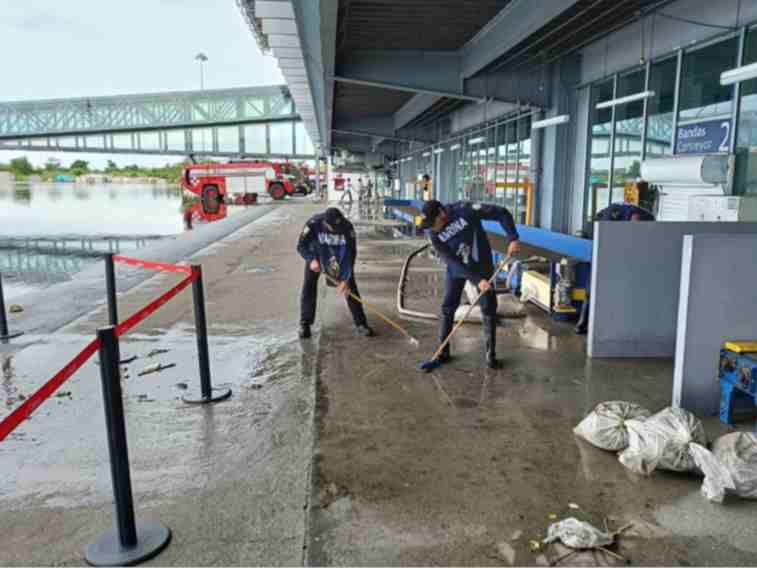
{"x": 76, "y": 48}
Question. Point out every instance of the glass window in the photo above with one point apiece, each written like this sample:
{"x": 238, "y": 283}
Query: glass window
{"x": 628, "y": 129}
{"x": 746, "y": 146}
{"x": 599, "y": 159}
{"x": 254, "y": 139}
{"x": 702, "y": 96}
{"x": 501, "y": 173}
{"x": 524, "y": 169}
{"x": 202, "y": 139}
{"x": 281, "y": 138}
{"x": 175, "y": 140}
{"x": 662, "y": 80}
{"x": 302, "y": 138}
{"x": 228, "y": 139}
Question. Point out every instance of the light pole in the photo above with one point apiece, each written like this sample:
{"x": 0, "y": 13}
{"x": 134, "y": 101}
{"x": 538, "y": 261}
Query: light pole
{"x": 201, "y": 58}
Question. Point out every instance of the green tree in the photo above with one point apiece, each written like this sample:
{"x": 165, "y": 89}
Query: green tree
{"x": 22, "y": 166}
{"x": 80, "y": 165}
{"x": 111, "y": 166}
{"x": 52, "y": 165}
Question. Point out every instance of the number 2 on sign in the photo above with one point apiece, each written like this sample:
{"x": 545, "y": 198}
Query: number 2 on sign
{"x": 726, "y": 143}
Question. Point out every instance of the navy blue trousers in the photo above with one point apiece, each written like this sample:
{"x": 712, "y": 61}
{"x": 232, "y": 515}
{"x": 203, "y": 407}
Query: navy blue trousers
{"x": 310, "y": 293}
{"x": 453, "y": 290}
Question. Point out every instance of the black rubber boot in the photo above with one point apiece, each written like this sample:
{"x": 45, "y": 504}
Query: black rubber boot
{"x": 490, "y": 339}
{"x": 583, "y": 321}
{"x": 364, "y": 330}
{"x": 304, "y": 331}
{"x": 445, "y": 327}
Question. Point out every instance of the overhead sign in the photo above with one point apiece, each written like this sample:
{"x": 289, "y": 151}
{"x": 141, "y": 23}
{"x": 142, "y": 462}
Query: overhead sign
{"x": 706, "y": 137}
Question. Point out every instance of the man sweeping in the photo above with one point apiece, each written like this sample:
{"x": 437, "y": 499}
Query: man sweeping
{"x": 459, "y": 238}
{"x": 328, "y": 244}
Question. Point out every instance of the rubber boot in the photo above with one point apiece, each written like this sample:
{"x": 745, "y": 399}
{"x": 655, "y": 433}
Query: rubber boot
{"x": 583, "y": 321}
{"x": 445, "y": 328}
{"x": 490, "y": 339}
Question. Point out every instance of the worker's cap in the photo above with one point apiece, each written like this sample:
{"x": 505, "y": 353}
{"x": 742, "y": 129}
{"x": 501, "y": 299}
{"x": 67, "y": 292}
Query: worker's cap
{"x": 431, "y": 210}
{"x": 333, "y": 216}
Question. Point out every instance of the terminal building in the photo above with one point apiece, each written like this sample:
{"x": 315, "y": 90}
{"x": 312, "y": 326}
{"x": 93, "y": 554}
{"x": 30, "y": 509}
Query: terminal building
{"x": 460, "y": 90}
{"x": 557, "y": 110}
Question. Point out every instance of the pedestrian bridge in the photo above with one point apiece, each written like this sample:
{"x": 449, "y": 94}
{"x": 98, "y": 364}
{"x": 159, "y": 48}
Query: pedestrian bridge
{"x": 256, "y": 122}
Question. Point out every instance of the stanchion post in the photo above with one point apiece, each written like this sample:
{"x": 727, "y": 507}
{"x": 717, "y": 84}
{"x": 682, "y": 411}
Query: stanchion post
{"x": 5, "y": 335}
{"x": 203, "y": 354}
{"x": 128, "y": 542}
{"x": 110, "y": 283}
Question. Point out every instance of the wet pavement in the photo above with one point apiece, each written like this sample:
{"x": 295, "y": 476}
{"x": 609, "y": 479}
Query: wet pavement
{"x": 338, "y": 450}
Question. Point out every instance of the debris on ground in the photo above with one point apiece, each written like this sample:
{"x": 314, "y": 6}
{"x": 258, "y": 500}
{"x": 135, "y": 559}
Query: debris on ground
{"x": 516, "y": 535}
{"x": 663, "y": 441}
{"x": 581, "y": 536}
{"x": 534, "y": 545}
{"x": 15, "y": 309}
{"x": 730, "y": 468}
{"x": 182, "y": 386}
{"x": 63, "y": 394}
{"x": 506, "y": 552}
{"x": 155, "y": 352}
{"x": 144, "y": 398}
{"x": 156, "y": 368}
{"x": 605, "y": 426}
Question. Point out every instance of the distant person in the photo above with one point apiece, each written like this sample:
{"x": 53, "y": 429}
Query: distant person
{"x": 188, "y": 218}
{"x": 426, "y": 187}
{"x": 328, "y": 244}
{"x": 615, "y": 212}
{"x": 370, "y": 190}
{"x": 347, "y": 191}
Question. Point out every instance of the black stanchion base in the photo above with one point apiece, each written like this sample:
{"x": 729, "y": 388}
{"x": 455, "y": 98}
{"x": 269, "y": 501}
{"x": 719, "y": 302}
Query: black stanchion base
{"x": 11, "y": 336}
{"x": 217, "y": 395}
{"x": 152, "y": 537}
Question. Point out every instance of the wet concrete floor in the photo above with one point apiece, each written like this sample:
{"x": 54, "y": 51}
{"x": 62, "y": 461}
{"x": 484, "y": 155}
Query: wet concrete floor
{"x": 338, "y": 450}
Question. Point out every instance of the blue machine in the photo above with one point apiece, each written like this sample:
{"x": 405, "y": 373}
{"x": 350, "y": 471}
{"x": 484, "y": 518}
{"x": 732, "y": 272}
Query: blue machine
{"x": 738, "y": 378}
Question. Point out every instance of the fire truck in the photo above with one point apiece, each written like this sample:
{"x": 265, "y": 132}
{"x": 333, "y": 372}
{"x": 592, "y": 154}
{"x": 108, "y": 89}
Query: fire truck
{"x": 242, "y": 181}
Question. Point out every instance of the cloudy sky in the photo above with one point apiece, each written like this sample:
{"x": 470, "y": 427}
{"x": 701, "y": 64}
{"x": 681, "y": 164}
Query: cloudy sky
{"x": 77, "y": 48}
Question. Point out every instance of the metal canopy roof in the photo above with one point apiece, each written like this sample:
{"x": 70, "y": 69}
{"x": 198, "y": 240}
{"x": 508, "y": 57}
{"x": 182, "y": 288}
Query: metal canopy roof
{"x": 411, "y": 24}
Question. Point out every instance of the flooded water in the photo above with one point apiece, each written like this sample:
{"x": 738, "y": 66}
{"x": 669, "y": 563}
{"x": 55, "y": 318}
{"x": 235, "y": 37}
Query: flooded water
{"x": 48, "y": 232}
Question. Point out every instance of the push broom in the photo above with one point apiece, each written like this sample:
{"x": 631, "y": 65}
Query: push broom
{"x": 376, "y": 312}
{"x": 433, "y": 363}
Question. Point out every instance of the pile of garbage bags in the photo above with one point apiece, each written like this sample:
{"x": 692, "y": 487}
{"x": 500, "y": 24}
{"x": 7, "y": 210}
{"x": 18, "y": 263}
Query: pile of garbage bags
{"x": 674, "y": 440}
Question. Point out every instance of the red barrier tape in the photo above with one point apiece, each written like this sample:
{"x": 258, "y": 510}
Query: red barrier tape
{"x": 153, "y": 306}
{"x": 30, "y": 404}
{"x": 153, "y": 265}
{"x": 46, "y": 391}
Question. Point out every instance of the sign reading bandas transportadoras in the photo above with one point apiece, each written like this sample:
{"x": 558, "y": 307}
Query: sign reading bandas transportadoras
{"x": 705, "y": 137}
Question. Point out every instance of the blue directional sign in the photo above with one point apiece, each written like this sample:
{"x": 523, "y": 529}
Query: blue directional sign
{"x": 705, "y": 137}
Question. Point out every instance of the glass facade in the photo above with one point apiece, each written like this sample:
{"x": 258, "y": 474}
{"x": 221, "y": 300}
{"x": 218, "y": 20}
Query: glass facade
{"x": 686, "y": 95}
{"x": 490, "y": 165}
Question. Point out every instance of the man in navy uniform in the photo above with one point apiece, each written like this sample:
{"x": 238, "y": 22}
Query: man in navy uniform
{"x": 624, "y": 212}
{"x": 328, "y": 244}
{"x": 615, "y": 212}
{"x": 459, "y": 238}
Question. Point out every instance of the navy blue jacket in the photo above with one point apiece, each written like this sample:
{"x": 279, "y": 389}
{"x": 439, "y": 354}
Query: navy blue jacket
{"x": 463, "y": 243}
{"x": 623, "y": 212}
{"x": 335, "y": 251}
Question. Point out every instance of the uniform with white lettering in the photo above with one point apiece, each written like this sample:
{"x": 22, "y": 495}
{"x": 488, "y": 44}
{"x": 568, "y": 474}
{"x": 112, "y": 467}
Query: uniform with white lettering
{"x": 336, "y": 251}
{"x": 463, "y": 244}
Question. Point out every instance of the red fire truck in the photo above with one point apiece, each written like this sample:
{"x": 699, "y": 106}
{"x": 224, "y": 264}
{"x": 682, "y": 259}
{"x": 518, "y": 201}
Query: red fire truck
{"x": 242, "y": 181}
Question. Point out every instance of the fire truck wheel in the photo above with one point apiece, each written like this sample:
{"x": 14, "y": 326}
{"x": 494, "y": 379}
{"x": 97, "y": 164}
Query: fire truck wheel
{"x": 277, "y": 191}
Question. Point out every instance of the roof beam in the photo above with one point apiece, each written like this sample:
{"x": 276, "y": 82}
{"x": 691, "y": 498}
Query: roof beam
{"x": 515, "y": 22}
{"x": 413, "y": 108}
{"x": 407, "y": 88}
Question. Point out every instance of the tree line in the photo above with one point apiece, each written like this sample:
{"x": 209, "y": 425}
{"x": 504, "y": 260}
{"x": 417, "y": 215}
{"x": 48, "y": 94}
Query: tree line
{"x": 23, "y": 169}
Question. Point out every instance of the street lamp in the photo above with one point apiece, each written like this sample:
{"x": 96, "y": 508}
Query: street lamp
{"x": 201, "y": 58}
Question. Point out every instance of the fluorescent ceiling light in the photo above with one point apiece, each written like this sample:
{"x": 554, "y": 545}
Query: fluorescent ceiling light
{"x": 455, "y": 147}
{"x": 438, "y": 150}
{"x": 426, "y": 154}
{"x": 627, "y": 99}
{"x": 554, "y": 121}
{"x": 739, "y": 74}
{"x": 474, "y": 141}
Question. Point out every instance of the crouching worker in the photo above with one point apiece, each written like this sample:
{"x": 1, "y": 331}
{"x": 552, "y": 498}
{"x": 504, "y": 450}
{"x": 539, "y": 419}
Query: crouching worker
{"x": 459, "y": 238}
{"x": 328, "y": 244}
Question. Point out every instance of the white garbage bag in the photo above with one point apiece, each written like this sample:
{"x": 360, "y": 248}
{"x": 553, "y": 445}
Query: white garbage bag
{"x": 663, "y": 441}
{"x": 605, "y": 426}
{"x": 577, "y": 534}
{"x": 731, "y": 466}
